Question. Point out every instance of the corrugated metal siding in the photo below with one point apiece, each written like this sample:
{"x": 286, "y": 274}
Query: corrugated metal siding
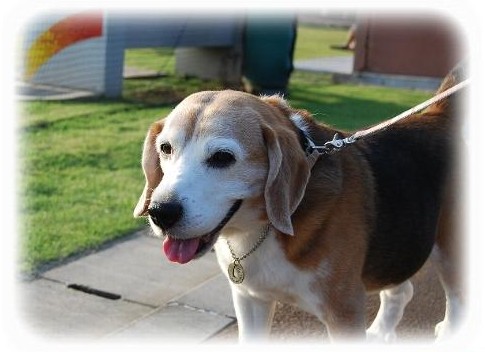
{"x": 152, "y": 31}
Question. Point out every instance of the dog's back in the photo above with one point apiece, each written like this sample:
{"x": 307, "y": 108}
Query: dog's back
{"x": 411, "y": 164}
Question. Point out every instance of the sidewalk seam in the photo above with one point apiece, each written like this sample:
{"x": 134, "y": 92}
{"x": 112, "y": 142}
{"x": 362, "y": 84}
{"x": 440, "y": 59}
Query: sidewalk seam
{"x": 197, "y": 309}
{"x": 176, "y": 298}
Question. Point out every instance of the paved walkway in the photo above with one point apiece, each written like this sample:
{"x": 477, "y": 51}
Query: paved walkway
{"x": 341, "y": 68}
{"x": 130, "y": 290}
{"x": 32, "y": 91}
{"x": 338, "y": 64}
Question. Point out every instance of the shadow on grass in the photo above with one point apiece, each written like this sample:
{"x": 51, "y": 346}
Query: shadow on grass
{"x": 349, "y": 111}
{"x": 345, "y": 107}
{"x": 168, "y": 90}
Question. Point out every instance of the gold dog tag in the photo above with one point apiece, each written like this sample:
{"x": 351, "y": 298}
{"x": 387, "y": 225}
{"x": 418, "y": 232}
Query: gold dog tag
{"x": 236, "y": 272}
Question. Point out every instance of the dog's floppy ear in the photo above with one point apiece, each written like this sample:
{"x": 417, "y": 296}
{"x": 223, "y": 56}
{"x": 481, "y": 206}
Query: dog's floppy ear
{"x": 288, "y": 176}
{"x": 151, "y": 168}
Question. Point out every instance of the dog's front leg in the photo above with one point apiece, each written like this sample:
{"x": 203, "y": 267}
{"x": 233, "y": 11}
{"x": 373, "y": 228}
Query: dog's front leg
{"x": 254, "y": 316}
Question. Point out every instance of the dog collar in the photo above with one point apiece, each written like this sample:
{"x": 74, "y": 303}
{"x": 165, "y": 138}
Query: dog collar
{"x": 235, "y": 269}
{"x": 313, "y": 151}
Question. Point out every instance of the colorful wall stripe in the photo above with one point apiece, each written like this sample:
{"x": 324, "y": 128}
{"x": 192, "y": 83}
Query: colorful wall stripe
{"x": 69, "y": 31}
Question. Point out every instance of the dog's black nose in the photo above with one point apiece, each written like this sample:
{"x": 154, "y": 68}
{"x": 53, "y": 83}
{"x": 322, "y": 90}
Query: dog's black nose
{"x": 165, "y": 214}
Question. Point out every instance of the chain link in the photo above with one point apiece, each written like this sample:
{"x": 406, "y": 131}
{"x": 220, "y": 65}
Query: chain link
{"x": 261, "y": 238}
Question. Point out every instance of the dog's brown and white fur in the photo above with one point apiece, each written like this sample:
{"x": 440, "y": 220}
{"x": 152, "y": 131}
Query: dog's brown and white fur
{"x": 222, "y": 165}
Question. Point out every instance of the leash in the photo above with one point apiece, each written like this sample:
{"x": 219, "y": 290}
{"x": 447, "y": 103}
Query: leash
{"x": 337, "y": 143}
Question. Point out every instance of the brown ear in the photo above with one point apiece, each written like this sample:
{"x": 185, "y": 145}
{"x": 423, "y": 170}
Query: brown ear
{"x": 288, "y": 176}
{"x": 151, "y": 168}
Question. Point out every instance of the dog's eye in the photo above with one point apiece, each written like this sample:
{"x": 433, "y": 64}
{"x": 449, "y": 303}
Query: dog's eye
{"x": 221, "y": 159}
{"x": 166, "y": 148}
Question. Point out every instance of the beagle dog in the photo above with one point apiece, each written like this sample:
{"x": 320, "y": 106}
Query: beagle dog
{"x": 228, "y": 170}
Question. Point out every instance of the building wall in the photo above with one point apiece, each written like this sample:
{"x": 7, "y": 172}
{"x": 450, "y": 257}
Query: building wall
{"x": 426, "y": 46}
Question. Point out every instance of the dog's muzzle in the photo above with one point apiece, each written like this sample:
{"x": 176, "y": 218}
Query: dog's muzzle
{"x": 184, "y": 250}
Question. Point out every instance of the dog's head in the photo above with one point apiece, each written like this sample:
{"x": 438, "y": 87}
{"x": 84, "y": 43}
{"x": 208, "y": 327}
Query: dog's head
{"x": 221, "y": 160}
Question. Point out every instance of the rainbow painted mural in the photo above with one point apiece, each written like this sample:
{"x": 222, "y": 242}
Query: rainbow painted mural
{"x": 60, "y": 35}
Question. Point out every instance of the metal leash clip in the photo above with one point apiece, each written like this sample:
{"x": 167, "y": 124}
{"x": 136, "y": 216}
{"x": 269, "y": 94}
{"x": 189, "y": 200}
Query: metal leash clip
{"x": 330, "y": 147}
{"x": 335, "y": 144}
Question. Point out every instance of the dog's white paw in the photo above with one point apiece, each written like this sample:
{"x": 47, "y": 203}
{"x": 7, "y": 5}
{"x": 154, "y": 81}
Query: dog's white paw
{"x": 381, "y": 336}
{"x": 442, "y": 329}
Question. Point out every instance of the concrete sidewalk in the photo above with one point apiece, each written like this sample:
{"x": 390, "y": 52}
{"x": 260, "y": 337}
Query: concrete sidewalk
{"x": 129, "y": 289}
{"x": 342, "y": 70}
{"x": 338, "y": 64}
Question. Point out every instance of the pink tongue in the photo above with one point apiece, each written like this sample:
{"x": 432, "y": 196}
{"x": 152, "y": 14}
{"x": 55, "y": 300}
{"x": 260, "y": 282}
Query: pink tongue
{"x": 180, "y": 251}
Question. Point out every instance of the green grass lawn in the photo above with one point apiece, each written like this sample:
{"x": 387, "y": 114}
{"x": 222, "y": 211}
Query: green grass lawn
{"x": 313, "y": 42}
{"x": 80, "y": 160}
{"x": 348, "y": 106}
{"x": 155, "y": 59}
{"x": 80, "y": 176}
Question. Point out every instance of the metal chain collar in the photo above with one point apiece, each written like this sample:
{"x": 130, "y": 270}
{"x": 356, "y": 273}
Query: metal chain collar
{"x": 261, "y": 238}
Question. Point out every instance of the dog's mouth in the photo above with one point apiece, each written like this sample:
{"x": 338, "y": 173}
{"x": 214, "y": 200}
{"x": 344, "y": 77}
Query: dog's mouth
{"x": 184, "y": 250}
